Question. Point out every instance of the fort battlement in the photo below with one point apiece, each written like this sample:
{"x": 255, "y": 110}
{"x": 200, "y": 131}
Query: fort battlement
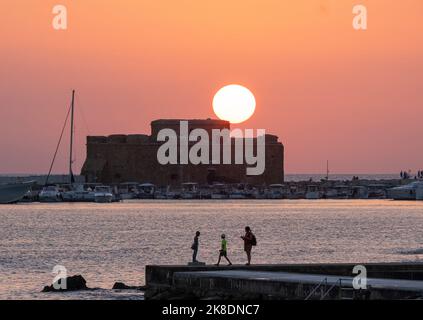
{"x": 119, "y": 139}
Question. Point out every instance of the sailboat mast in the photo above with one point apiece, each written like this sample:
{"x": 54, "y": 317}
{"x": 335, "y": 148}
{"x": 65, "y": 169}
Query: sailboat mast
{"x": 71, "y": 138}
{"x": 327, "y": 169}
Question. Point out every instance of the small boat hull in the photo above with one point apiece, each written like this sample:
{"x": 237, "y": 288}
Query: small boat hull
{"x": 73, "y": 196}
{"x": 274, "y": 195}
{"x": 313, "y": 195}
{"x": 219, "y": 196}
{"x": 189, "y": 196}
{"x": 237, "y": 196}
{"x": 103, "y": 198}
{"x": 406, "y": 192}
{"x": 50, "y": 197}
{"x": 13, "y": 192}
{"x": 403, "y": 195}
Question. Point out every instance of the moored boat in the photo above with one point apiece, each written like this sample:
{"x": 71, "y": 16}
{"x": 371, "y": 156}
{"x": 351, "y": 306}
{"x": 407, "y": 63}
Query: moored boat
{"x": 146, "y": 191}
{"x": 190, "y": 191}
{"x": 241, "y": 191}
{"x": 313, "y": 192}
{"x": 14, "y": 192}
{"x": 128, "y": 190}
{"x": 50, "y": 193}
{"x": 219, "y": 191}
{"x": 377, "y": 191}
{"x": 276, "y": 191}
{"x": 238, "y": 194}
{"x": 406, "y": 192}
{"x": 359, "y": 192}
{"x": 79, "y": 193}
{"x": 103, "y": 194}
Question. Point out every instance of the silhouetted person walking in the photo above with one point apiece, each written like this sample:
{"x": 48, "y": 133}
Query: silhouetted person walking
{"x": 223, "y": 251}
{"x": 249, "y": 241}
{"x": 195, "y": 246}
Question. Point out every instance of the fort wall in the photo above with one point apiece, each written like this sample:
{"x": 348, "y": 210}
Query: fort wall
{"x": 133, "y": 158}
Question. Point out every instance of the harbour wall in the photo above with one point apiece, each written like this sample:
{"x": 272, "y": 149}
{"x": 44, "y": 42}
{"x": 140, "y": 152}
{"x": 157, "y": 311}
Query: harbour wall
{"x": 203, "y": 282}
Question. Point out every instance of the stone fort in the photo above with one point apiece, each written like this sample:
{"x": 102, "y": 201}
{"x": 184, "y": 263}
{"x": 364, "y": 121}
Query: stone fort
{"x": 133, "y": 158}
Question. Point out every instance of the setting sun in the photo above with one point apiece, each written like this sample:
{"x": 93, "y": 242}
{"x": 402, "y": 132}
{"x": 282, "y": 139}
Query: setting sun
{"x": 234, "y": 103}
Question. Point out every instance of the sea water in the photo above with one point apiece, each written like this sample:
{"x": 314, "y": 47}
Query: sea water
{"x": 113, "y": 242}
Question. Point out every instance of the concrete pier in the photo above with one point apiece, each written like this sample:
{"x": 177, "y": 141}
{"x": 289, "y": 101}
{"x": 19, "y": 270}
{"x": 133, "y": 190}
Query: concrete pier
{"x": 299, "y": 282}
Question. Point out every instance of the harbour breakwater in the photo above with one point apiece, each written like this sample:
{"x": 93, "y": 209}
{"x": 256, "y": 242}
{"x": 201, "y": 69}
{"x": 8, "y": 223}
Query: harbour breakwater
{"x": 284, "y": 282}
{"x": 382, "y": 281}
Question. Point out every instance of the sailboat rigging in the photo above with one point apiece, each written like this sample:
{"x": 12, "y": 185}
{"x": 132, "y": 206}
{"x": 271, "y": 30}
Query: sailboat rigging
{"x": 71, "y": 176}
{"x": 71, "y": 114}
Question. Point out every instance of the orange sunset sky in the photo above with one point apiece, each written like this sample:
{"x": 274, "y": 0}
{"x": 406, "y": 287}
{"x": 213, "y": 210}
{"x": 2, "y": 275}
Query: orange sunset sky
{"x": 327, "y": 90}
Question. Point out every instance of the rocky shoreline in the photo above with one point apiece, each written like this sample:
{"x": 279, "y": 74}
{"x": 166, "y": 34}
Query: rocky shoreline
{"x": 78, "y": 283}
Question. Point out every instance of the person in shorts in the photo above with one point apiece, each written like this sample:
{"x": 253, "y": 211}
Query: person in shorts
{"x": 223, "y": 252}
